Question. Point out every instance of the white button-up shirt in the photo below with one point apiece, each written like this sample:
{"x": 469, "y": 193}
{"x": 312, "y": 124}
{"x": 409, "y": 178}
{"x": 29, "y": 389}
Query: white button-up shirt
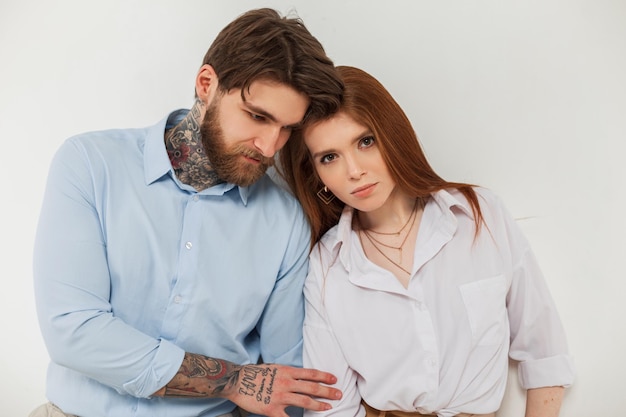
{"x": 442, "y": 344}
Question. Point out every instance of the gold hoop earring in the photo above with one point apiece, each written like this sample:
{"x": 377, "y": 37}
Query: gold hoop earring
{"x": 325, "y": 195}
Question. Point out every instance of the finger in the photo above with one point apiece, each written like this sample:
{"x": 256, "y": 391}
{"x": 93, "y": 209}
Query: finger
{"x": 310, "y": 382}
{"x": 306, "y": 402}
{"x": 315, "y": 389}
{"x": 280, "y": 412}
{"x": 308, "y": 374}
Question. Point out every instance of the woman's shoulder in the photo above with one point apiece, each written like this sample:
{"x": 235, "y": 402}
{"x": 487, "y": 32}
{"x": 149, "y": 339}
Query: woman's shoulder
{"x": 483, "y": 193}
{"x": 487, "y": 198}
{"x": 339, "y": 232}
{"x": 331, "y": 242}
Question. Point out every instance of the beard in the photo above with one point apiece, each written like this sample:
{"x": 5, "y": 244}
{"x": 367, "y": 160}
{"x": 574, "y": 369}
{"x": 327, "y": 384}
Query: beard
{"x": 228, "y": 162}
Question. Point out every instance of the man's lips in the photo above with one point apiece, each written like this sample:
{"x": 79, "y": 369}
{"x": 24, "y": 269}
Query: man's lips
{"x": 257, "y": 158}
{"x": 252, "y": 159}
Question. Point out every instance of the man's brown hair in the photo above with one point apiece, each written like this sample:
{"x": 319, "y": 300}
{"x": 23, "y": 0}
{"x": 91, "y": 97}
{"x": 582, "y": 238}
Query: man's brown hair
{"x": 260, "y": 44}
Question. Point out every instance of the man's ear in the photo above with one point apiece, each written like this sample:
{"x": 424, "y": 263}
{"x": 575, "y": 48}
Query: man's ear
{"x": 206, "y": 83}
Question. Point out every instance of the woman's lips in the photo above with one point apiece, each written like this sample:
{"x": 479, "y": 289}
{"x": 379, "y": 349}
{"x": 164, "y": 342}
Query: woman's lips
{"x": 364, "y": 191}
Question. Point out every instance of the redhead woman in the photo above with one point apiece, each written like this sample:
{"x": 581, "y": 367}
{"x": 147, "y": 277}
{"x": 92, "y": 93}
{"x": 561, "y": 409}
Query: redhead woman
{"x": 419, "y": 289}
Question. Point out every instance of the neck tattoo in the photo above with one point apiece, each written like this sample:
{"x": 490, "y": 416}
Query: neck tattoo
{"x": 186, "y": 153}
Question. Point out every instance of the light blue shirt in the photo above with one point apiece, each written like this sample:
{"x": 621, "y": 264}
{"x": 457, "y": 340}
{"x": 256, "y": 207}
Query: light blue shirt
{"x": 133, "y": 268}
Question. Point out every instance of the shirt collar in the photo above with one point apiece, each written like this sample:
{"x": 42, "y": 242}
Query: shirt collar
{"x": 157, "y": 163}
{"x": 453, "y": 199}
{"x": 338, "y": 238}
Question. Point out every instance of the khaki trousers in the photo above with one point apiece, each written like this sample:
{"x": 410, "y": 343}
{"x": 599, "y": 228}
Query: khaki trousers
{"x": 49, "y": 410}
{"x": 372, "y": 412}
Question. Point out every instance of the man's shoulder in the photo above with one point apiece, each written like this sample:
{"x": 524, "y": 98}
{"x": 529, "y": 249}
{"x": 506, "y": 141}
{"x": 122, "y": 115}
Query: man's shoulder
{"x": 119, "y": 137}
{"x": 269, "y": 189}
{"x": 105, "y": 145}
{"x": 110, "y": 137}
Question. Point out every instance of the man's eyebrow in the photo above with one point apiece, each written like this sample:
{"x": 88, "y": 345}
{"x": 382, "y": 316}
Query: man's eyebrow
{"x": 268, "y": 115}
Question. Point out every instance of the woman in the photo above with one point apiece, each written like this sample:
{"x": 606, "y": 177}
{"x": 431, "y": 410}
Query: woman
{"x": 419, "y": 289}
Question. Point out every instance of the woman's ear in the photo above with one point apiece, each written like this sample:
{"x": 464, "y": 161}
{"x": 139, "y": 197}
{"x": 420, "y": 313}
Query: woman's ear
{"x": 206, "y": 83}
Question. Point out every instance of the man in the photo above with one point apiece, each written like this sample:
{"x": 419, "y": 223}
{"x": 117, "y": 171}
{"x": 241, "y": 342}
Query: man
{"x": 167, "y": 264}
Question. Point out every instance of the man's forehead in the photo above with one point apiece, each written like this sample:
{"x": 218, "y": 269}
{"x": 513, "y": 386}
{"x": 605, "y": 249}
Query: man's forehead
{"x": 277, "y": 101}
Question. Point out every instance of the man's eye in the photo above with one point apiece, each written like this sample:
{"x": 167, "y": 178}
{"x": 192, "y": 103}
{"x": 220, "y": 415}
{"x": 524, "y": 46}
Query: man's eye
{"x": 256, "y": 117}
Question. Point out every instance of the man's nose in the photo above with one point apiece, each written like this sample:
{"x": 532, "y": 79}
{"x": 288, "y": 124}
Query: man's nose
{"x": 271, "y": 140}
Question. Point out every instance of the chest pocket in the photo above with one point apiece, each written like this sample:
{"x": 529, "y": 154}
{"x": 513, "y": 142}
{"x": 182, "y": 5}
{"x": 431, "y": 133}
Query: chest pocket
{"x": 485, "y": 302}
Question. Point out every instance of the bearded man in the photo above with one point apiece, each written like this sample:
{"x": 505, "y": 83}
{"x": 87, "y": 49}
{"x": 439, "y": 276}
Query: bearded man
{"x": 168, "y": 266}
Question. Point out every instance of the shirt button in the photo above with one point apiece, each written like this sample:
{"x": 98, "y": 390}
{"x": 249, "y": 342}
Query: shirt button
{"x": 178, "y": 299}
{"x": 188, "y": 245}
{"x": 196, "y": 198}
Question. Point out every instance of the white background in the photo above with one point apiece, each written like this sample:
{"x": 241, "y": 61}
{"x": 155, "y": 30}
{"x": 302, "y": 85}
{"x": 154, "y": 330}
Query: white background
{"x": 527, "y": 98}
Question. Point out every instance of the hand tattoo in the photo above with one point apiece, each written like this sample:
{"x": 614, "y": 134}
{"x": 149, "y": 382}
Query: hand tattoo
{"x": 201, "y": 376}
{"x": 265, "y": 387}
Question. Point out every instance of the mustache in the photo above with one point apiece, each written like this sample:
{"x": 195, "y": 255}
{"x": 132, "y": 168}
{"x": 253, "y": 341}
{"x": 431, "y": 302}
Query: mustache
{"x": 250, "y": 153}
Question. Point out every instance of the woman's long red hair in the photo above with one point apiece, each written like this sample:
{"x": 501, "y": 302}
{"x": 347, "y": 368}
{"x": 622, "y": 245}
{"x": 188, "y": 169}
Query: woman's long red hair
{"x": 368, "y": 102}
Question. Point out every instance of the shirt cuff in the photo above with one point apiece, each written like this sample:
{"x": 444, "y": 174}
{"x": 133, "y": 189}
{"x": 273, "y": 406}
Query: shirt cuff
{"x": 164, "y": 366}
{"x": 555, "y": 371}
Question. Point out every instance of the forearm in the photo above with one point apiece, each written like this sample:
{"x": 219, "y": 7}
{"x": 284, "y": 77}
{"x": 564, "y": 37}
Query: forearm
{"x": 264, "y": 389}
{"x": 544, "y": 402}
{"x": 202, "y": 376}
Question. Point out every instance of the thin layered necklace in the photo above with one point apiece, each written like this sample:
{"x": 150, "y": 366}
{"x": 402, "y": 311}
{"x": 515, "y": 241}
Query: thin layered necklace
{"x": 376, "y": 243}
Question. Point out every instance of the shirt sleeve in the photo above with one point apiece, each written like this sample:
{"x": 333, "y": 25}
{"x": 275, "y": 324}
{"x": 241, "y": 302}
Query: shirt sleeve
{"x": 72, "y": 288}
{"x": 321, "y": 348}
{"x": 538, "y": 339}
{"x": 280, "y": 326}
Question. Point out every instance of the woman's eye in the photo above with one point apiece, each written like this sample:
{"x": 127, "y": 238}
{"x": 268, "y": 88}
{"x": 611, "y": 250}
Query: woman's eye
{"x": 366, "y": 142}
{"x": 327, "y": 158}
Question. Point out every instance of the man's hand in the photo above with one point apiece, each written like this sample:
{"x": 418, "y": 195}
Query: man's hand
{"x": 265, "y": 389}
